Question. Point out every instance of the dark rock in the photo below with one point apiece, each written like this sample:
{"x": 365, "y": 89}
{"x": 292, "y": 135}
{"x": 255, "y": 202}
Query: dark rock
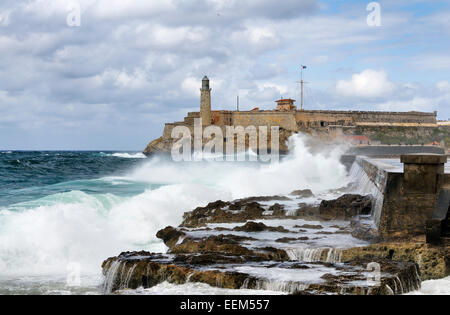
{"x": 307, "y": 211}
{"x": 364, "y": 232}
{"x": 305, "y": 193}
{"x": 259, "y": 227}
{"x": 309, "y": 226}
{"x": 217, "y": 212}
{"x": 278, "y": 210}
{"x": 325, "y": 233}
{"x": 396, "y": 277}
{"x": 345, "y": 207}
{"x": 288, "y": 239}
{"x": 170, "y": 235}
{"x": 210, "y": 259}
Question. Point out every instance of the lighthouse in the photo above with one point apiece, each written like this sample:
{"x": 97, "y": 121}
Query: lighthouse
{"x": 205, "y": 102}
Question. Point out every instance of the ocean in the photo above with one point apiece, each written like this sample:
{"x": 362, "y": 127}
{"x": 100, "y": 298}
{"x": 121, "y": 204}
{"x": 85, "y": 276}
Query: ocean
{"x": 64, "y": 213}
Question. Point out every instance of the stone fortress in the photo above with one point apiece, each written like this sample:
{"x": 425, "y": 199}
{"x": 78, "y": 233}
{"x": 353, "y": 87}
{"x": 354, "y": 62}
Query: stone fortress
{"x": 358, "y": 127}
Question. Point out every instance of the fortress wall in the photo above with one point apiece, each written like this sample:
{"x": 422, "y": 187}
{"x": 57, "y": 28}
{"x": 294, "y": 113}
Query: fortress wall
{"x": 392, "y": 117}
{"x": 317, "y": 118}
{"x": 222, "y": 118}
{"x": 314, "y": 119}
{"x": 285, "y": 120}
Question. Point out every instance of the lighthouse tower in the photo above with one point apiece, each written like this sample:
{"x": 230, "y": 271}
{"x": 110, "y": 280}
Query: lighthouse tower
{"x": 205, "y": 102}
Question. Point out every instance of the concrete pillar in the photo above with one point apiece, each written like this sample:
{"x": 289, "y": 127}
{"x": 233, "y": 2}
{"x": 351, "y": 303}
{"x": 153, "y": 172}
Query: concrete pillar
{"x": 423, "y": 174}
{"x": 205, "y": 103}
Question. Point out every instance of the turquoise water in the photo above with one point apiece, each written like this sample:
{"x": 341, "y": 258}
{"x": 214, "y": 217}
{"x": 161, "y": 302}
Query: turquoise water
{"x": 66, "y": 212}
{"x": 27, "y": 176}
{"x": 55, "y": 209}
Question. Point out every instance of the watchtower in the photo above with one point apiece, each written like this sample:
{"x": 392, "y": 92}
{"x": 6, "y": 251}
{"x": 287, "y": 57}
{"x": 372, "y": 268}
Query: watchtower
{"x": 205, "y": 102}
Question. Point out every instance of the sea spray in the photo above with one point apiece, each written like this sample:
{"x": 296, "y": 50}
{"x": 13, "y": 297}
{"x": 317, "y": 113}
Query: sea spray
{"x": 80, "y": 228}
{"x": 87, "y": 225}
{"x": 305, "y": 167}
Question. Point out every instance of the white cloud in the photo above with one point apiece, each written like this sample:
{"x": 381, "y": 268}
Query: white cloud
{"x": 367, "y": 84}
{"x": 417, "y": 103}
{"x": 140, "y": 60}
{"x": 443, "y": 86}
{"x": 135, "y": 80}
{"x": 191, "y": 86}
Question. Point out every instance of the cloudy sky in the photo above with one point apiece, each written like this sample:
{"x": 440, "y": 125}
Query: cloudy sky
{"x": 132, "y": 65}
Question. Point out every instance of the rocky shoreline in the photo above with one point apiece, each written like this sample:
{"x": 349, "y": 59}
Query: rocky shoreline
{"x": 284, "y": 244}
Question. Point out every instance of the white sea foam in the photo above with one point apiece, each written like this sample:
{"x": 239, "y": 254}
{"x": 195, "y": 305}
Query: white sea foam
{"x": 79, "y": 228}
{"x": 166, "y": 288}
{"x": 434, "y": 287}
{"x": 44, "y": 236}
{"x": 124, "y": 155}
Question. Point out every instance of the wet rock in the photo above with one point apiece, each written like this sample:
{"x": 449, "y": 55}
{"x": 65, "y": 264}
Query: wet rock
{"x": 275, "y": 253}
{"x": 346, "y": 207}
{"x": 364, "y": 232}
{"x": 307, "y": 211}
{"x": 170, "y": 235}
{"x": 433, "y": 262}
{"x": 211, "y": 259}
{"x": 305, "y": 193}
{"x": 223, "y": 244}
{"x": 278, "y": 210}
{"x": 122, "y": 272}
{"x": 309, "y": 226}
{"x": 288, "y": 239}
{"x": 227, "y": 245}
{"x": 259, "y": 227}
{"x": 223, "y": 212}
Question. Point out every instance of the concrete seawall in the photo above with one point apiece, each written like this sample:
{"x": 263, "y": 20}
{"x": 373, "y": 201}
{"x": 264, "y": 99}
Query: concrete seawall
{"x": 405, "y": 191}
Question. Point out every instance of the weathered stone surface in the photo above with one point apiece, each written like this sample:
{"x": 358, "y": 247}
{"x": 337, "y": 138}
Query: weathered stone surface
{"x": 223, "y": 212}
{"x": 309, "y": 226}
{"x": 346, "y": 207}
{"x": 278, "y": 210}
{"x": 365, "y": 232}
{"x": 130, "y": 270}
{"x": 433, "y": 262}
{"x": 259, "y": 227}
{"x": 230, "y": 245}
{"x": 290, "y": 239}
{"x": 240, "y": 210}
{"x": 307, "y": 211}
{"x": 424, "y": 159}
{"x": 170, "y": 235}
{"x": 158, "y": 146}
